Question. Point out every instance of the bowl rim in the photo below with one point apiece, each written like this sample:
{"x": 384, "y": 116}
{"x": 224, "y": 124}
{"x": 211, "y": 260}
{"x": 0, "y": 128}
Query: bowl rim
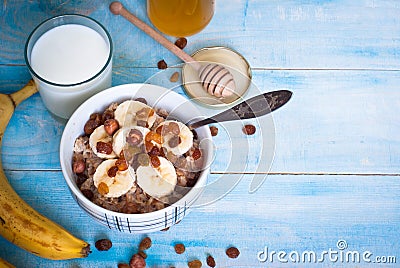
{"x": 123, "y": 90}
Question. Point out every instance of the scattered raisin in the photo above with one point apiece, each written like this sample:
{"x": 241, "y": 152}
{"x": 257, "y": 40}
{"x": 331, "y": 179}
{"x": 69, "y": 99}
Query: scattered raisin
{"x": 137, "y": 261}
{"x": 145, "y": 243}
{"x": 103, "y": 188}
{"x": 103, "y": 244}
{"x": 143, "y": 254}
{"x": 155, "y": 161}
{"x": 134, "y": 137}
{"x": 210, "y": 261}
{"x": 249, "y": 129}
{"x": 232, "y": 252}
{"x": 162, "y": 65}
{"x": 79, "y": 166}
{"x": 112, "y": 171}
{"x": 195, "y": 264}
{"x": 110, "y": 126}
{"x": 214, "y": 131}
{"x": 174, "y": 77}
{"x": 179, "y": 248}
{"x": 104, "y": 147}
{"x": 181, "y": 42}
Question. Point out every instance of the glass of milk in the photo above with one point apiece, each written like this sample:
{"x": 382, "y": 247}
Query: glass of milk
{"x": 70, "y": 59}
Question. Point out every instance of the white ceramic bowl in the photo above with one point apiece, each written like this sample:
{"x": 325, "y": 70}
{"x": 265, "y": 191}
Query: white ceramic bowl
{"x": 180, "y": 108}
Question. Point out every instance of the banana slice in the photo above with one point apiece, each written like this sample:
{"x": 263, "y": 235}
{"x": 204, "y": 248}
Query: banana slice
{"x": 120, "y": 137}
{"x": 120, "y": 184}
{"x": 100, "y": 135}
{"x": 157, "y": 182}
{"x": 177, "y": 137}
{"x": 132, "y": 113}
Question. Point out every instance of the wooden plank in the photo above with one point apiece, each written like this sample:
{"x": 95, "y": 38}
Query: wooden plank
{"x": 270, "y": 34}
{"x": 289, "y": 213}
{"x": 336, "y": 122}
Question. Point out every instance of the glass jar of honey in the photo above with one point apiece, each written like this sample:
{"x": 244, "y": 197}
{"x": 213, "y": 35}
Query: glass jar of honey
{"x": 180, "y": 18}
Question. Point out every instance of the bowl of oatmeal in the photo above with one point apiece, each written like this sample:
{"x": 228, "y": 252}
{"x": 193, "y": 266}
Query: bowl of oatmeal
{"x": 131, "y": 162}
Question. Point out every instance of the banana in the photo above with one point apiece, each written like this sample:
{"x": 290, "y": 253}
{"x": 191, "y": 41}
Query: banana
{"x": 157, "y": 181}
{"x": 119, "y": 137}
{"x": 135, "y": 113}
{"x": 177, "y": 137}
{"x": 20, "y": 223}
{"x": 100, "y": 135}
{"x": 113, "y": 185}
{"x": 5, "y": 264}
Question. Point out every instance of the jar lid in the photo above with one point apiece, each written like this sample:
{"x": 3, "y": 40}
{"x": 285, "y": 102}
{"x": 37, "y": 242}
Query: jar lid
{"x": 226, "y": 57}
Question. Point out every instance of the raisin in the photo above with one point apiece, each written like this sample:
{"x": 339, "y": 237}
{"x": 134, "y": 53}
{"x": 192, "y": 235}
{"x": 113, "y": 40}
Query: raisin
{"x": 142, "y": 123}
{"x": 96, "y": 117}
{"x": 137, "y": 261}
{"x": 121, "y": 164}
{"x": 88, "y": 194}
{"x": 143, "y": 159}
{"x": 162, "y": 65}
{"x": 173, "y": 127}
{"x": 148, "y": 146}
{"x": 110, "y": 126}
{"x": 112, "y": 171}
{"x": 155, "y": 161}
{"x": 174, "y": 141}
{"x": 134, "y": 137}
{"x": 142, "y": 100}
{"x": 159, "y": 130}
{"x": 103, "y": 244}
{"x": 154, "y": 151}
{"x": 214, "y": 131}
{"x": 181, "y": 42}
{"x": 232, "y": 252}
{"x": 123, "y": 265}
{"x": 153, "y": 136}
{"x": 90, "y": 126}
{"x": 143, "y": 113}
{"x": 79, "y": 166}
{"x": 179, "y": 248}
{"x": 108, "y": 114}
{"x": 104, "y": 147}
{"x": 143, "y": 254}
{"x": 195, "y": 264}
{"x": 174, "y": 77}
{"x": 196, "y": 154}
{"x": 210, "y": 261}
{"x": 103, "y": 188}
{"x": 145, "y": 243}
{"x": 249, "y": 129}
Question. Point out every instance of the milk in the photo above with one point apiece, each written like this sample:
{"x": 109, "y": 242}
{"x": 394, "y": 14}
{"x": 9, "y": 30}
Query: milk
{"x": 69, "y": 63}
{"x": 69, "y": 54}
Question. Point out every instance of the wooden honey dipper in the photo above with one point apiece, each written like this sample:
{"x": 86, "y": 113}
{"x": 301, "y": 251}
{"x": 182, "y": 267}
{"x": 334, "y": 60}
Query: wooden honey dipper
{"x": 214, "y": 78}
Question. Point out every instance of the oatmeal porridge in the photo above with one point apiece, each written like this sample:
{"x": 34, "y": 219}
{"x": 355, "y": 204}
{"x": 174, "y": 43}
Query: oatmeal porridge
{"x": 132, "y": 158}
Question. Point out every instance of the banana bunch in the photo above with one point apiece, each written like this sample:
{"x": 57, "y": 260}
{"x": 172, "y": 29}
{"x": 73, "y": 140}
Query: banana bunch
{"x": 20, "y": 223}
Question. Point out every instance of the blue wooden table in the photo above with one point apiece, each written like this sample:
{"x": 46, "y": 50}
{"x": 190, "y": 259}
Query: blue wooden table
{"x": 331, "y": 160}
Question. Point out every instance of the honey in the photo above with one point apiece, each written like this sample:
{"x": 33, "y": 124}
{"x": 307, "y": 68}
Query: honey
{"x": 180, "y": 18}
